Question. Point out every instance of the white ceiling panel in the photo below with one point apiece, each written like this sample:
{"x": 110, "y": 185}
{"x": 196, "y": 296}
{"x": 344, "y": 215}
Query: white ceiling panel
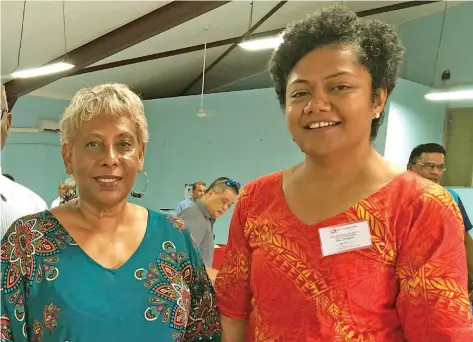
{"x": 168, "y": 74}
{"x": 87, "y": 20}
{"x": 230, "y": 20}
{"x": 43, "y": 38}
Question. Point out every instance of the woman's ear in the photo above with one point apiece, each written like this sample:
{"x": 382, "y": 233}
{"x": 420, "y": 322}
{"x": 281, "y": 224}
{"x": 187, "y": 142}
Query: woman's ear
{"x": 379, "y": 100}
{"x": 67, "y": 158}
{"x": 141, "y": 156}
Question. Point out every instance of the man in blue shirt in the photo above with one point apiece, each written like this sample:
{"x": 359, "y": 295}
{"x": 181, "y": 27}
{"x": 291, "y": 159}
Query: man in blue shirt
{"x": 198, "y": 190}
{"x": 428, "y": 161}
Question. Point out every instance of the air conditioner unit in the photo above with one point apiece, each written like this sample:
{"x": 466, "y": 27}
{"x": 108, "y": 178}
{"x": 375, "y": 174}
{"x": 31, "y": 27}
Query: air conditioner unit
{"x": 48, "y": 126}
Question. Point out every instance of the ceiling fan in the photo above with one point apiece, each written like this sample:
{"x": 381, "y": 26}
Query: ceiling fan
{"x": 201, "y": 113}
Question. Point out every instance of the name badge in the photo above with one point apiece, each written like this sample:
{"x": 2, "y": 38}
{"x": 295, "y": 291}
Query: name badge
{"x": 345, "y": 238}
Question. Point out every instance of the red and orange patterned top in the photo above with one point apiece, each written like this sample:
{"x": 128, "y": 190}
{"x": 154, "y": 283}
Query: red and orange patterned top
{"x": 410, "y": 285}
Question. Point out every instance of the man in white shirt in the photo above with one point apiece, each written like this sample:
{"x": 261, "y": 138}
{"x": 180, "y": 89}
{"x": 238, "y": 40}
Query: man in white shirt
{"x": 15, "y": 199}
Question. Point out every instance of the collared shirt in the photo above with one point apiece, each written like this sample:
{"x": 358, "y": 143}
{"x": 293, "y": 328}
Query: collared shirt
{"x": 188, "y": 202}
{"x": 200, "y": 223}
{"x": 16, "y": 201}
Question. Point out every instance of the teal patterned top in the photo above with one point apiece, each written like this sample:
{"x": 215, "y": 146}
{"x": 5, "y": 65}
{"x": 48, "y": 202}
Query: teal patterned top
{"x": 52, "y": 291}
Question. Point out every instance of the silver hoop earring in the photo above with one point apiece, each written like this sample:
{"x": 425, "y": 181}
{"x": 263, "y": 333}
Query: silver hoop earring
{"x": 140, "y": 194}
{"x": 65, "y": 176}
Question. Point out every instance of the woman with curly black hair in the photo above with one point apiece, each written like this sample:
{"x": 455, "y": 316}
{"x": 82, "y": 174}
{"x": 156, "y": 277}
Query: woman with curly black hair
{"x": 344, "y": 246}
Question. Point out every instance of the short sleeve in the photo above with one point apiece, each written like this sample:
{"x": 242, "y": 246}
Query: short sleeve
{"x": 179, "y": 209}
{"x": 14, "y": 295}
{"x": 433, "y": 301}
{"x": 466, "y": 219}
{"x": 203, "y": 324}
{"x": 233, "y": 279}
{"x": 189, "y": 217}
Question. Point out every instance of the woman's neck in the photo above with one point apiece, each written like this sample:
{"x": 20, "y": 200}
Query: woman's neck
{"x": 344, "y": 167}
{"x": 101, "y": 218}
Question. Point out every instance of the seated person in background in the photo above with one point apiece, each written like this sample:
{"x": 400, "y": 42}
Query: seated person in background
{"x": 67, "y": 191}
{"x": 71, "y": 191}
{"x": 344, "y": 246}
{"x": 15, "y": 199}
{"x": 61, "y": 191}
{"x": 428, "y": 161}
{"x": 200, "y": 218}
{"x": 103, "y": 269}
{"x": 198, "y": 189}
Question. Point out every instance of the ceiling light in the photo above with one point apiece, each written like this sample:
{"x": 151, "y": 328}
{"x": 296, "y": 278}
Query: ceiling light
{"x": 450, "y": 95}
{"x": 262, "y": 44}
{"x": 44, "y": 70}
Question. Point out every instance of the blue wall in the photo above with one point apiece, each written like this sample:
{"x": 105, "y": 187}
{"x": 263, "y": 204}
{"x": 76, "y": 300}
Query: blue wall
{"x": 412, "y": 121}
{"x": 34, "y": 159}
{"x": 244, "y": 137}
{"x": 421, "y": 38}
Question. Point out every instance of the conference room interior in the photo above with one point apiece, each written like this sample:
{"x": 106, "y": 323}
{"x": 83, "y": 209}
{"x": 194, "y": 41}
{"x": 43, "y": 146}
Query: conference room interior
{"x": 230, "y": 124}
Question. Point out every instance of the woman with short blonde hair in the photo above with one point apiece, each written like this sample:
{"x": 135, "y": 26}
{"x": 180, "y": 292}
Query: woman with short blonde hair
{"x": 100, "y": 268}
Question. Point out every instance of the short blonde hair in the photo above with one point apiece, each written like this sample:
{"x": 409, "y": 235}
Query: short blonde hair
{"x": 106, "y": 99}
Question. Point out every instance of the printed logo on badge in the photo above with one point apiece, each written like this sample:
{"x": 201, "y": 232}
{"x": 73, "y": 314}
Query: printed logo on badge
{"x": 345, "y": 238}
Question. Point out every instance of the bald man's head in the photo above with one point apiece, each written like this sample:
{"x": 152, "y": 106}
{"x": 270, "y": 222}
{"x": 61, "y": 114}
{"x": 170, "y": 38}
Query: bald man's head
{"x": 5, "y": 118}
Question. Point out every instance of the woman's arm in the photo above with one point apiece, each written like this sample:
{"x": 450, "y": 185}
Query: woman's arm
{"x": 469, "y": 261}
{"x": 233, "y": 330}
{"x": 233, "y": 279}
{"x": 212, "y": 273}
{"x": 433, "y": 301}
{"x": 13, "y": 297}
{"x": 468, "y": 245}
{"x": 203, "y": 324}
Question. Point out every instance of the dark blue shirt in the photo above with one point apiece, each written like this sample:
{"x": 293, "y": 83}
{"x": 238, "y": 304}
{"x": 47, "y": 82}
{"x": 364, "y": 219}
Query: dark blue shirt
{"x": 466, "y": 219}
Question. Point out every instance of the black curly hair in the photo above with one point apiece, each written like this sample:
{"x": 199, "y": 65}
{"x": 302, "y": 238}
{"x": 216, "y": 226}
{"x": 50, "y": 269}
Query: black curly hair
{"x": 380, "y": 49}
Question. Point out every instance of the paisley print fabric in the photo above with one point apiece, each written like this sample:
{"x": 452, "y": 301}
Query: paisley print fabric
{"x": 53, "y": 291}
{"x": 410, "y": 285}
{"x": 167, "y": 282}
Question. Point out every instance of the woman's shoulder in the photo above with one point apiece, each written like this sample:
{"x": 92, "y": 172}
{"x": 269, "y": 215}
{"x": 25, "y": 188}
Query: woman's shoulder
{"x": 37, "y": 221}
{"x": 169, "y": 227}
{"x": 416, "y": 191}
{"x": 165, "y": 220}
{"x": 266, "y": 183}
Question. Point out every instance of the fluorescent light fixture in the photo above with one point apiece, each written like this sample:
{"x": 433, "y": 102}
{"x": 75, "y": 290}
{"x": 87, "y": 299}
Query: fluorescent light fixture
{"x": 23, "y": 130}
{"x": 262, "y": 44}
{"x": 44, "y": 70}
{"x": 450, "y": 95}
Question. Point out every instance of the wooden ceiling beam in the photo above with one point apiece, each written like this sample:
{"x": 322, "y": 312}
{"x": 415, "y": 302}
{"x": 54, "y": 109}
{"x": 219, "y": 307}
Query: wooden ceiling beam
{"x": 171, "y": 53}
{"x": 229, "y": 41}
{"x": 234, "y": 45}
{"x": 132, "y": 33}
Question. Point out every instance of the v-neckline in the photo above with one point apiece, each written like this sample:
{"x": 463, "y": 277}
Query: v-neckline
{"x": 327, "y": 221}
{"x": 92, "y": 260}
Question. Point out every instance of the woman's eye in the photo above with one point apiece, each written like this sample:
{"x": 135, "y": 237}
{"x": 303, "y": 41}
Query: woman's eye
{"x": 125, "y": 144}
{"x": 92, "y": 144}
{"x": 299, "y": 94}
{"x": 341, "y": 87}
